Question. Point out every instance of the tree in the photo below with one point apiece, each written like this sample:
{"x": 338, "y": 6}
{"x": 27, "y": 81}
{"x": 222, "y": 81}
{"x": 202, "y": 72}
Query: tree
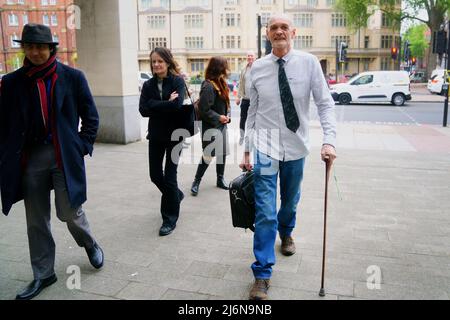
{"x": 358, "y": 12}
{"x": 417, "y": 41}
{"x": 15, "y": 61}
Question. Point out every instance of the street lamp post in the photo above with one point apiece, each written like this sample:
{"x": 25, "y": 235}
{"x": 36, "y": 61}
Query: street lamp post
{"x": 447, "y": 62}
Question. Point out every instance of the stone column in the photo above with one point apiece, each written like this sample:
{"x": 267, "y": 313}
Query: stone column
{"x": 107, "y": 45}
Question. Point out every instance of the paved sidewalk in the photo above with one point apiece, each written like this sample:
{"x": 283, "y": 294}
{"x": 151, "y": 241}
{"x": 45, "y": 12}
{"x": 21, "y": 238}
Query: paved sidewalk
{"x": 420, "y": 93}
{"x": 388, "y": 212}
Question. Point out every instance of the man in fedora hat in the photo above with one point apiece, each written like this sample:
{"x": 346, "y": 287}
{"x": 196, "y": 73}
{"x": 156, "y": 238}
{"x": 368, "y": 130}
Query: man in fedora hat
{"x": 42, "y": 148}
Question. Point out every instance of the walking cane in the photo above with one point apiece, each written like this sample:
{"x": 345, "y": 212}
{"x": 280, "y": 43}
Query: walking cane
{"x": 327, "y": 175}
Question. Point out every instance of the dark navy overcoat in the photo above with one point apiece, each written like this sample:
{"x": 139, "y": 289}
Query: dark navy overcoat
{"x": 74, "y": 105}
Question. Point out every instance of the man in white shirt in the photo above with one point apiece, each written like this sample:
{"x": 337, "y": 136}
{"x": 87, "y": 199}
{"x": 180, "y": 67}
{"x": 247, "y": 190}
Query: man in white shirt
{"x": 277, "y": 129}
{"x": 243, "y": 98}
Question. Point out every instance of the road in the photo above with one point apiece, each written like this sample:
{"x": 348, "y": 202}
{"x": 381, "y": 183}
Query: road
{"x": 410, "y": 114}
{"x": 413, "y": 113}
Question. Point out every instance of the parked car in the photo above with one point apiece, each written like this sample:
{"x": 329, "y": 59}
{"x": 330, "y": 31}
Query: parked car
{"x": 374, "y": 86}
{"x": 143, "y": 76}
{"x": 417, "y": 77}
{"x": 436, "y": 81}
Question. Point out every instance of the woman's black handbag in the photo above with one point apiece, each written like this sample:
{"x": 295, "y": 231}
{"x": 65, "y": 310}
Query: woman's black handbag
{"x": 189, "y": 116}
{"x": 242, "y": 199}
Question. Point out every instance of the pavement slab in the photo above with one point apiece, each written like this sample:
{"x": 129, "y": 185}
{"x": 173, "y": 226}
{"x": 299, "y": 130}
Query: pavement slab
{"x": 388, "y": 227}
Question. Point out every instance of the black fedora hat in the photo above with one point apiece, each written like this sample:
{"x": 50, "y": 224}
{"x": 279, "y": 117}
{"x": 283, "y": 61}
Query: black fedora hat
{"x": 36, "y": 33}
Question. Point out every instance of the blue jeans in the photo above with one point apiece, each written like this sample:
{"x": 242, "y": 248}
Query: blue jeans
{"x": 268, "y": 222}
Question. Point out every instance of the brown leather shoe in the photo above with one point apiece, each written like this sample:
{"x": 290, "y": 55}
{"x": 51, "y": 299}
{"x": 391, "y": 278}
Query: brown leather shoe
{"x": 259, "y": 289}
{"x": 287, "y": 246}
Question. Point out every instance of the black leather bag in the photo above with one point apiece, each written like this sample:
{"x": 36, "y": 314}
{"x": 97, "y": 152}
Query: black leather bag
{"x": 242, "y": 200}
{"x": 189, "y": 117}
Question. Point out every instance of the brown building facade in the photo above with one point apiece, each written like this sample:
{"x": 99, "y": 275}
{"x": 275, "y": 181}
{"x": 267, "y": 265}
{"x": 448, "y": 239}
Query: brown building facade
{"x": 14, "y": 14}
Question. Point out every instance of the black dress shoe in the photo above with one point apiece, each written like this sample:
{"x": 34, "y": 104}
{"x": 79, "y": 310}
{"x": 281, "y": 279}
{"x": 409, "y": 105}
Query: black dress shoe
{"x": 195, "y": 187}
{"x": 166, "y": 230}
{"x": 95, "y": 255}
{"x": 35, "y": 287}
{"x": 221, "y": 183}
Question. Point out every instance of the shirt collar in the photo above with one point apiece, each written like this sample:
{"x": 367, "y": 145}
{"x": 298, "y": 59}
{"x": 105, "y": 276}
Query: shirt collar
{"x": 285, "y": 58}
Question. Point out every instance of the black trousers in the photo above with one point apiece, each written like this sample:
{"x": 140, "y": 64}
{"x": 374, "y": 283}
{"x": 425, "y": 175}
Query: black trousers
{"x": 166, "y": 179}
{"x": 245, "y": 104}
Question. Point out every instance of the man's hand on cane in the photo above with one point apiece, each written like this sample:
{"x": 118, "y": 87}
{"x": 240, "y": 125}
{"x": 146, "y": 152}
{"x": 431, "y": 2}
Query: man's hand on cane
{"x": 328, "y": 153}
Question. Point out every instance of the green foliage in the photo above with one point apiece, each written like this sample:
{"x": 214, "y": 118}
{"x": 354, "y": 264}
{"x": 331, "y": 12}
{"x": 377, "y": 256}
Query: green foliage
{"x": 358, "y": 12}
{"x": 416, "y": 37}
{"x": 197, "y": 79}
{"x": 16, "y": 61}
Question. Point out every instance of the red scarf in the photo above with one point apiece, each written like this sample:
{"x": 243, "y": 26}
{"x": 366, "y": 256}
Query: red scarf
{"x": 39, "y": 75}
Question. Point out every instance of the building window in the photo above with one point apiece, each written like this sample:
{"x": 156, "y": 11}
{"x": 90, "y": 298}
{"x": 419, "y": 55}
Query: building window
{"x": 157, "y": 42}
{"x": 312, "y": 3}
{"x": 156, "y": 22}
{"x": 231, "y": 42}
{"x": 366, "y": 64}
{"x": 340, "y": 39}
{"x": 303, "y": 20}
{"x": 54, "y": 20}
{"x": 230, "y": 20}
{"x": 386, "y": 21}
{"x": 385, "y": 63}
{"x": 366, "y": 42}
{"x": 197, "y": 65}
{"x": 55, "y": 38}
{"x": 45, "y": 20}
{"x": 194, "y": 42}
{"x": 265, "y": 16}
{"x": 14, "y": 44}
{"x": 265, "y": 1}
{"x": 13, "y": 20}
{"x": 193, "y": 21}
{"x": 25, "y": 18}
{"x": 345, "y": 66}
{"x": 338, "y": 20}
{"x": 386, "y": 42}
{"x": 146, "y": 4}
{"x": 302, "y": 42}
{"x": 44, "y": 2}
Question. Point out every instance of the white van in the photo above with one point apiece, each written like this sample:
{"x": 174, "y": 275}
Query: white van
{"x": 374, "y": 86}
{"x": 436, "y": 81}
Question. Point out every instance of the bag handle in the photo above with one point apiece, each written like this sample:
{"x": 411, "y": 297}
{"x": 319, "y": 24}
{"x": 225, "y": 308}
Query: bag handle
{"x": 189, "y": 95}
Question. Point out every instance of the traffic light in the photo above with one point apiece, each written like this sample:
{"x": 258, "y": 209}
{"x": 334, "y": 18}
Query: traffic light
{"x": 440, "y": 42}
{"x": 343, "y": 52}
{"x": 407, "y": 52}
{"x": 394, "y": 53}
{"x": 413, "y": 61}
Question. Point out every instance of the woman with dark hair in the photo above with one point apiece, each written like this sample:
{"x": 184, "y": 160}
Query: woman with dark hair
{"x": 161, "y": 99}
{"x": 214, "y": 105}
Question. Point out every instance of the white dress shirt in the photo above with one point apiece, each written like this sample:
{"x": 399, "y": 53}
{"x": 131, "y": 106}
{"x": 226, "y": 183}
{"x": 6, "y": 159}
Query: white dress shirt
{"x": 266, "y": 128}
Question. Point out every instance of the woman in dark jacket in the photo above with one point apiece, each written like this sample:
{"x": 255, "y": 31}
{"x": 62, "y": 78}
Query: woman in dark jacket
{"x": 215, "y": 111}
{"x": 161, "y": 99}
